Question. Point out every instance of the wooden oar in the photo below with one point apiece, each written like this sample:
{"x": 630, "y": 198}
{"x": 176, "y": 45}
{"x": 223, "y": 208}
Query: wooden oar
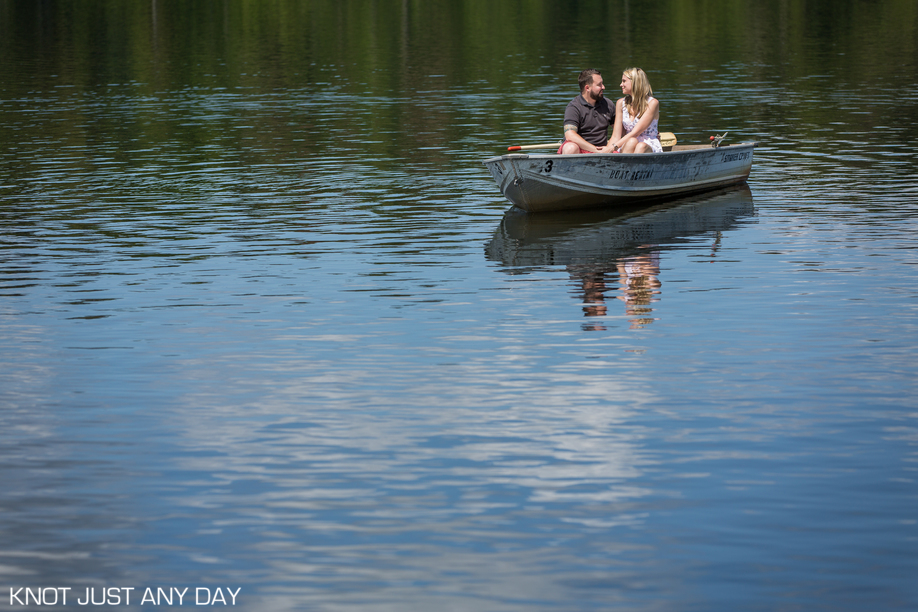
{"x": 553, "y": 145}
{"x": 667, "y": 139}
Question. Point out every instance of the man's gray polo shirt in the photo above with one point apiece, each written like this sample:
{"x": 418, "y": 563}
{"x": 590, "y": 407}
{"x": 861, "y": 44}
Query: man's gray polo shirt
{"x": 592, "y": 121}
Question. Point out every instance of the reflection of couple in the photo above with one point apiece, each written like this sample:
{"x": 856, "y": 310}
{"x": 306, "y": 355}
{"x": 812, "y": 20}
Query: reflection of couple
{"x": 638, "y": 282}
{"x": 638, "y": 277}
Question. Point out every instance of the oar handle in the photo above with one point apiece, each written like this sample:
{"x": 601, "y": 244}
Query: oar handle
{"x": 552, "y": 145}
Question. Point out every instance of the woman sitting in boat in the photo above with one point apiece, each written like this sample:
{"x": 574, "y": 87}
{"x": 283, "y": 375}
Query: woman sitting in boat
{"x": 636, "y": 115}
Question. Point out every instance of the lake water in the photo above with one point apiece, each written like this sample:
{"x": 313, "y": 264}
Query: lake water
{"x": 266, "y": 322}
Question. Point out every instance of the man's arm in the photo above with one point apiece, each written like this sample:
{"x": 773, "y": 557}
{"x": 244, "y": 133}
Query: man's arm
{"x": 571, "y": 135}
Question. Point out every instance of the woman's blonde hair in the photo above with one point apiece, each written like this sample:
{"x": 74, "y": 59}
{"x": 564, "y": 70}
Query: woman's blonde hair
{"x": 640, "y": 91}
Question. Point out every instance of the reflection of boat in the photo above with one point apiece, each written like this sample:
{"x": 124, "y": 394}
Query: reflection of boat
{"x": 604, "y": 235}
{"x": 615, "y": 255}
{"x": 540, "y": 183}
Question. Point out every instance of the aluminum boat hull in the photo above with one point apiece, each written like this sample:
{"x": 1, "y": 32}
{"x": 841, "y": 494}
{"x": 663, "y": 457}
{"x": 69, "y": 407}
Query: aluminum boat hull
{"x": 542, "y": 183}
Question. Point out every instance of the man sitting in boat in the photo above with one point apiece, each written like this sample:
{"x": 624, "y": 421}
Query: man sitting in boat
{"x": 587, "y": 118}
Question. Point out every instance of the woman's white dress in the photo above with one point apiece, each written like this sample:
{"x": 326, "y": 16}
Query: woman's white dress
{"x": 651, "y": 135}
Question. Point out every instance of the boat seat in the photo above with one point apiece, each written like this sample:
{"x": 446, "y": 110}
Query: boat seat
{"x": 667, "y": 140}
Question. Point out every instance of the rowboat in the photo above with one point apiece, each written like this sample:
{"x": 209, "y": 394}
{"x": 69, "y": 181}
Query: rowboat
{"x": 552, "y": 182}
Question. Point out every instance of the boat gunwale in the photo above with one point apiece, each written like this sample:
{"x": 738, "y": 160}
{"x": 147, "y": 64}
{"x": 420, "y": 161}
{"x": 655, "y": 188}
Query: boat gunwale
{"x": 622, "y": 156}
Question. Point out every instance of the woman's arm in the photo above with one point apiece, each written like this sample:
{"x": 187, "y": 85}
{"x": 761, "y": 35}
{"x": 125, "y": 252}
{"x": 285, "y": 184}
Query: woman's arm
{"x": 617, "y": 130}
{"x": 650, "y": 113}
{"x": 609, "y": 147}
